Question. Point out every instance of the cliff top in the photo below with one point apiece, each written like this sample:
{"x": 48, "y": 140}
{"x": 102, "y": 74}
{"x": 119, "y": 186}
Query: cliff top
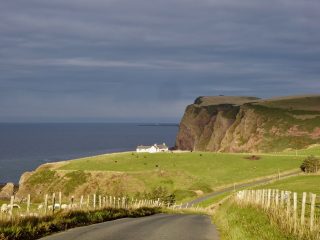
{"x": 302, "y": 102}
{"x": 217, "y": 100}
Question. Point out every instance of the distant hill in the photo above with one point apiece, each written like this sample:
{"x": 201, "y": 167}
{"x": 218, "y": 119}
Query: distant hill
{"x": 250, "y": 124}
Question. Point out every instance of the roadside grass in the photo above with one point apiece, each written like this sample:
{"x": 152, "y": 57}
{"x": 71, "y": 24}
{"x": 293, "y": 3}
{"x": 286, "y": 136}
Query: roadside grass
{"x": 246, "y": 223}
{"x": 185, "y": 173}
{"x": 35, "y": 227}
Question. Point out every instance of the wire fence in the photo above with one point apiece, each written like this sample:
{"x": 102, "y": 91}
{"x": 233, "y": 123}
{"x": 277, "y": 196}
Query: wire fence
{"x": 53, "y": 203}
{"x": 295, "y": 213}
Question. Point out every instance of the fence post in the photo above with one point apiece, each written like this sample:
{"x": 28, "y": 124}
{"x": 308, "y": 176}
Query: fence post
{"x": 313, "y": 202}
{"x": 72, "y": 200}
{"x": 28, "y": 203}
{"x": 288, "y": 203}
{"x": 282, "y": 198}
{"x": 60, "y": 199}
{"x": 269, "y": 196}
{"x": 100, "y": 202}
{"x": 81, "y": 201}
{"x": 53, "y": 202}
{"x": 295, "y": 211}
{"x": 277, "y": 198}
{"x": 88, "y": 201}
{"x": 94, "y": 201}
{"x": 45, "y": 204}
{"x": 11, "y": 205}
{"x": 263, "y": 197}
{"x": 303, "y": 207}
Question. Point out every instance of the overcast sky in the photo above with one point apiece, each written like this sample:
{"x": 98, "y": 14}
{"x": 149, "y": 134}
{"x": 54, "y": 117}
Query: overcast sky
{"x": 145, "y": 60}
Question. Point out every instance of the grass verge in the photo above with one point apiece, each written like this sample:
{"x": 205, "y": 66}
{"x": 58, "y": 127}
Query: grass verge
{"x": 246, "y": 223}
{"x": 36, "y": 227}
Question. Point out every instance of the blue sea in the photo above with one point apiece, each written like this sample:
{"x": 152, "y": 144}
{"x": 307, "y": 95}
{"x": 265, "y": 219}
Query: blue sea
{"x": 24, "y": 146}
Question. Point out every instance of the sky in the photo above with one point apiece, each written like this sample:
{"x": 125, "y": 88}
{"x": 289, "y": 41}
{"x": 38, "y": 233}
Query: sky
{"x": 145, "y": 60}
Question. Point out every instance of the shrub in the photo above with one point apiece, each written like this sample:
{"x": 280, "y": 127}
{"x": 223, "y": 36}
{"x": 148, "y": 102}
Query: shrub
{"x": 310, "y": 165}
{"x": 160, "y": 193}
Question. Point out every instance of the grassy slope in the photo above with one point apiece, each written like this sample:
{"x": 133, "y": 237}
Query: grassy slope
{"x": 186, "y": 171}
{"x": 308, "y": 103}
{"x": 247, "y": 223}
{"x": 299, "y": 184}
{"x": 315, "y": 150}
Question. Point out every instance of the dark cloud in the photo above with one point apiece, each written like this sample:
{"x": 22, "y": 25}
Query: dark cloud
{"x": 121, "y": 60}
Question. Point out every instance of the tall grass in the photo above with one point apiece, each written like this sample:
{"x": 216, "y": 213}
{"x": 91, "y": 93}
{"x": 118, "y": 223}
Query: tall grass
{"x": 35, "y": 227}
{"x": 287, "y": 211}
{"x": 237, "y": 222}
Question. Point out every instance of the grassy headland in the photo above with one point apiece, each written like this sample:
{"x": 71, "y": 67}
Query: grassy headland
{"x": 184, "y": 174}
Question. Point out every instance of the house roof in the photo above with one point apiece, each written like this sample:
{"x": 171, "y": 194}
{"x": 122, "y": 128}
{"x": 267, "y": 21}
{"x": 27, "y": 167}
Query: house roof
{"x": 143, "y": 147}
{"x": 162, "y": 146}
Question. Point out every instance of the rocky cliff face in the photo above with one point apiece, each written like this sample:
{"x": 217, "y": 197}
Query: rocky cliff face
{"x": 248, "y": 124}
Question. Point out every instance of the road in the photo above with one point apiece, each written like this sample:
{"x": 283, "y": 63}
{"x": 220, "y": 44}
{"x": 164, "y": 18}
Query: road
{"x": 238, "y": 186}
{"x": 156, "y": 227}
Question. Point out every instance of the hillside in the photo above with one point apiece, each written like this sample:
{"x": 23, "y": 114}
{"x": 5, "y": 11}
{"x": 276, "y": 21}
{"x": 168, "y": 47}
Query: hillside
{"x": 249, "y": 124}
{"x": 184, "y": 174}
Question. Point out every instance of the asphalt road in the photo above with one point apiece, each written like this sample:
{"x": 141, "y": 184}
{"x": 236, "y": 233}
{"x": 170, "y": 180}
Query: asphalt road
{"x": 156, "y": 227}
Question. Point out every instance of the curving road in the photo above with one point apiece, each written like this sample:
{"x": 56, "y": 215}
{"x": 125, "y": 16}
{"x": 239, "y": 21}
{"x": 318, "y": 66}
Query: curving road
{"x": 237, "y": 187}
{"x": 156, "y": 227}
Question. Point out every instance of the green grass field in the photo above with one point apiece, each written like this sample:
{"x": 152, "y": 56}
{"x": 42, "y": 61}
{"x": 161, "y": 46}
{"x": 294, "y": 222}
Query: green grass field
{"x": 309, "y": 151}
{"x": 184, "y": 173}
{"x": 299, "y": 184}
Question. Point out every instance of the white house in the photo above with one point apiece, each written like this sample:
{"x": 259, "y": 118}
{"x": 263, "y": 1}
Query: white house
{"x": 153, "y": 149}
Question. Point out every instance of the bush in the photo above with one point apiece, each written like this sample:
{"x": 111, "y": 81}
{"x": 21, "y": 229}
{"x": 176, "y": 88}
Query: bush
{"x": 160, "y": 193}
{"x": 310, "y": 165}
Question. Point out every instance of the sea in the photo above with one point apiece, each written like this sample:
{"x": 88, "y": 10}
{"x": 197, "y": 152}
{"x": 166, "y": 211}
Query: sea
{"x": 25, "y": 146}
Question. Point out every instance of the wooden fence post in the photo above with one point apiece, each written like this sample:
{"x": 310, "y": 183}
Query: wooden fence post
{"x": 269, "y": 196}
{"x": 295, "y": 211}
{"x": 94, "y": 201}
{"x": 288, "y": 203}
{"x": 11, "y": 205}
{"x": 282, "y": 198}
{"x": 313, "y": 202}
{"x": 46, "y": 204}
{"x": 100, "y": 202}
{"x": 88, "y": 201}
{"x": 263, "y": 197}
{"x": 28, "y": 203}
{"x": 53, "y": 202}
{"x": 303, "y": 207}
{"x": 81, "y": 201}
{"x": 72, "y": 201}
{"x": 60, "y": 199}
{"x": 277, "y": 198}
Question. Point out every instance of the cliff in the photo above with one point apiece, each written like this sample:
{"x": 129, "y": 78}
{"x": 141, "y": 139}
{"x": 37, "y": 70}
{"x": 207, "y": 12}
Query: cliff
{"x": 249, "y": 124}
